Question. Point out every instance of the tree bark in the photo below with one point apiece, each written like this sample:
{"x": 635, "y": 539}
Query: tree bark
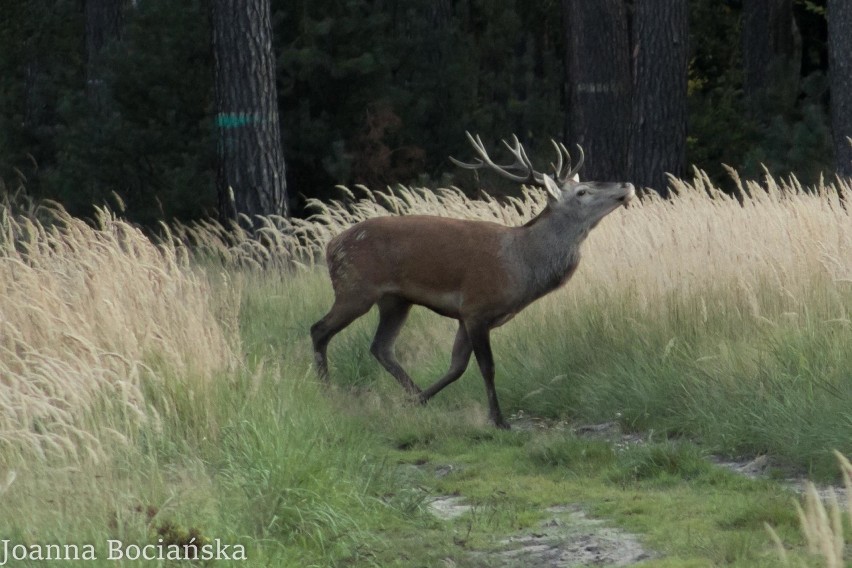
{"x": 771, "y": 52}
{"x": 105, "y": 21}
{"x": 598, "y": 85}
{"x": 250, "y": 171}
{"x": 840, "y": 72}
{"x": 660, "y": 65}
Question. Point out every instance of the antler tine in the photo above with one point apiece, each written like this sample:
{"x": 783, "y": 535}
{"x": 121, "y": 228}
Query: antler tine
{"x": 557, "y": 169}
{"x": 522, "y": 161}
{"x": 579, "y": 165}
{"x": 562, "y": 150}
{"x": 479, "y": 148}
{"x": 513, "y": 149}
{"x": 535, "y": 176}
{"x": 470, "y": 166}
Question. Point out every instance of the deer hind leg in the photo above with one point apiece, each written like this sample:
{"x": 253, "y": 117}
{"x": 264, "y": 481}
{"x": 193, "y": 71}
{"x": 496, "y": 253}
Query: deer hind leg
{"x": 462, "y": 350}
{"x": 479, "y": 338}
{"x": 341, "y": 314}
{"x": 392, "y": 314}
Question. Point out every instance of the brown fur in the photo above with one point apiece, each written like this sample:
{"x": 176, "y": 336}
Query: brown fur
{"x": 378, "y": 257}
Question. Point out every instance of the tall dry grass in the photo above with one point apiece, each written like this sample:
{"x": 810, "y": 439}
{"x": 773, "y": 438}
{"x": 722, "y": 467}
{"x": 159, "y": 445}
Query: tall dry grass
{"x": 86, "y": 311}
{"x": 701, "y": 240}
{"x": 86, "y": 315}
{"x": 821, "y": 524}
{"x": 281, "y": 243}
{"x": 704, "y": 237}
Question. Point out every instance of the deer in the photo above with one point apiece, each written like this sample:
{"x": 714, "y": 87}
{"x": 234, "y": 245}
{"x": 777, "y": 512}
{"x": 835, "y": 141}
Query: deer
{"x": 477, "y": 272}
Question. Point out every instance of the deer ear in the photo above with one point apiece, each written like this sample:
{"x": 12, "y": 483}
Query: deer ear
{"x": 576, "y": 178}
{"x": 551, "y": 187}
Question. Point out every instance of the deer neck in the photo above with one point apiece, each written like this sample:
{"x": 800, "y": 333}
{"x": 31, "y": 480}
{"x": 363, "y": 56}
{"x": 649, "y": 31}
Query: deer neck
{"x": 547, "y": 250}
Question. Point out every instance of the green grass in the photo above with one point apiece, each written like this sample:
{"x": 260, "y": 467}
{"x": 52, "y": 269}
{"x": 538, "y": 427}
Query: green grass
{"x": 740, "y": 385}
{"x": 303, "y": 475}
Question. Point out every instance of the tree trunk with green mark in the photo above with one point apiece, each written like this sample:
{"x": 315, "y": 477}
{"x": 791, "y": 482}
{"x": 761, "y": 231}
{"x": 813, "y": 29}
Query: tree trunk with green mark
{"x": 840, "y": 72}
{"x": 250, "y": 171}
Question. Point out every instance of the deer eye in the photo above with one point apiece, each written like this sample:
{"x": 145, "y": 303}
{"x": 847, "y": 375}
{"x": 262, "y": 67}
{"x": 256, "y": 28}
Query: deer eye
{"x": 581, "y": 193}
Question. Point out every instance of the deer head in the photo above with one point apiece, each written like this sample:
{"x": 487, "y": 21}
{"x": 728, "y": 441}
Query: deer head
{"x": 588, "y": 202}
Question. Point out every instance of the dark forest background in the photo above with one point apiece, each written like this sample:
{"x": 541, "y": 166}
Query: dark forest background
{"x": 376, "y": 92}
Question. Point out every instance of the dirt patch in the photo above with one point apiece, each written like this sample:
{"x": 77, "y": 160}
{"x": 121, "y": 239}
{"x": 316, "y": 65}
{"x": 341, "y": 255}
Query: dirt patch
{"x": 567, "y": 538}
{"x": 753, "y": 469}
{"x": 761, "y": 467}
{"x": 448, "y": 507}
{"x": 607, "y": 431}
{"x": 611, "y": 432}
{"x": 570, "y": 538}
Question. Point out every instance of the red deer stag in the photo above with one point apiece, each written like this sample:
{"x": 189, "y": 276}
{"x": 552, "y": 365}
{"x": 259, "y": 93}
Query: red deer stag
{"x": 476, "y": 272}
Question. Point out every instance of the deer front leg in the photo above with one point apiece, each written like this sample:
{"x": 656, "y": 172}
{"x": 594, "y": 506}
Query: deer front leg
{"x": 481, "y": 342}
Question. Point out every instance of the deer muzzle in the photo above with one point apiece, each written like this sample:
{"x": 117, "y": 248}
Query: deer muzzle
{"x": 628, "y": 195}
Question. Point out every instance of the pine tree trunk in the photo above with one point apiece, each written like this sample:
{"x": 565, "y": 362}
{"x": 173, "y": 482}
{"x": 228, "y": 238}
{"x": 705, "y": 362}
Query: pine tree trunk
{"x": 840, "y": 71}
{"x": 598, "y": 85}
{"x": 250, "y": 172}
{"x": 771, "y": 52}
{"x": 105, "y": 21}
{"x": 660, "y": 61}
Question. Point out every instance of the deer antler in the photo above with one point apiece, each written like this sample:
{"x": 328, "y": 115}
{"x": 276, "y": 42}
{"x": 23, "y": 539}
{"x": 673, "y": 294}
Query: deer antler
{"x": 522, "y": 163}
{"x": 561, "y": 150}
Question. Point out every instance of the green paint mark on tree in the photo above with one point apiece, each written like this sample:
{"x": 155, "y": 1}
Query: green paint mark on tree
{"x": 236, "y": 119}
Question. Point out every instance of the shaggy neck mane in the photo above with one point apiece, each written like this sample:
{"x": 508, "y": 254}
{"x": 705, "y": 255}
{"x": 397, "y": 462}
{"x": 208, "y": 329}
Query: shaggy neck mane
{"x": 549, "y": 246}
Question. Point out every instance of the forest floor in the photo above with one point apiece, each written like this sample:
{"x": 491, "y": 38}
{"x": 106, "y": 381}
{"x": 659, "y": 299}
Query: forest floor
{"x": 567, "y": 538}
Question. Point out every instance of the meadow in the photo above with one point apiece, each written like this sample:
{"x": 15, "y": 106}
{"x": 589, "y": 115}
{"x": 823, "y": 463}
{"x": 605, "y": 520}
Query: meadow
{"x": 161, "y": 391}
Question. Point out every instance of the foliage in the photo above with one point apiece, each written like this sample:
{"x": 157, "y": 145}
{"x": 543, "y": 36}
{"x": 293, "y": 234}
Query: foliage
{"x": 786, "y": 131}
{"x": 153, "y": 144}
{"x": 414, "y": 81}
{"x": 41, "y": 62}
{"x": 377, "y": 93}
